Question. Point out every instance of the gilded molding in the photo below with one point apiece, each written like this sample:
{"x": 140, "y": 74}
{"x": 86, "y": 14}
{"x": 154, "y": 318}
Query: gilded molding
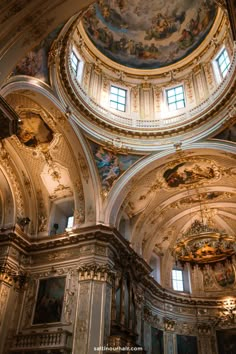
{"x": 169, "y": 324}
{"x": 6, "y": 278}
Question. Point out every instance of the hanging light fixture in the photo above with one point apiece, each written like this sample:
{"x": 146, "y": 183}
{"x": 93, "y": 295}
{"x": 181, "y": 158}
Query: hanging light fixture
{"x": 203, "y": 245}
{"x": 227, "y": 313}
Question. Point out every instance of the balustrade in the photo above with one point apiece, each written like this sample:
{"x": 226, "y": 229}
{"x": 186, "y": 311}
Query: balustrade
{"x": 43, "y": 340}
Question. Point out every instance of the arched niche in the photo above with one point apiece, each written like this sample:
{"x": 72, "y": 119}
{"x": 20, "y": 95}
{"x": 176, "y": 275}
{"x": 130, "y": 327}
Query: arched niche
{"x": 61, "y": 211}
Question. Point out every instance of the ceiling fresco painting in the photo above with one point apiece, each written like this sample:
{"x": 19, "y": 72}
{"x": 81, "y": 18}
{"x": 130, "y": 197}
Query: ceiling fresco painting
{"x": 110, "y": 164}
{"x": 33, "y": 131}
{"x": 35, "y": 63}
{"x": 186, "y": 173}
{"x": 148, "y": 35}
{"x": 200, "y": 197}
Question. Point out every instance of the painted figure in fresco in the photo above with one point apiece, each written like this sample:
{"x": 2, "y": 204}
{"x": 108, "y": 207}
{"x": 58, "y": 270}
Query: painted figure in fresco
{"x": 186, "y": 39}
{"x": 225, "y": 276}
{"x": 103, "y": 158}
{"x": 35, "y": 63}
{"x": 33, "y": 131}
{"x": 123, "y": 30}
{"x": 163, "y": 26}
{"x": 110, "y": 166}
{"x": 31, "y": 65}
{"x": 113, "y": 173}
{"x": 200, "y": 197}
{"x": 187, "y": 173}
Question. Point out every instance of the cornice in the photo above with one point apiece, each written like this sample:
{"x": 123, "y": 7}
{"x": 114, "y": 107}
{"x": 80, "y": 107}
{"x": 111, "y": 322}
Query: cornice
{"x": 125, "y": 259}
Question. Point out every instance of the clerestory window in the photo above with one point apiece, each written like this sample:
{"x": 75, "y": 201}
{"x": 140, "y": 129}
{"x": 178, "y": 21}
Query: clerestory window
{"x": 223, "y": 62}
{"x": 118, "y": 98}
{"x": 177, "y": 280}
{"x": 175, "y": 98}
{"x": 74, "y": 62}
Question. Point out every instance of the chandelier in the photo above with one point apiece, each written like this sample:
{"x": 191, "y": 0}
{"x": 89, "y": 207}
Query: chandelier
{"x": 203, "y": 245}
{"x": 227, "y": 314}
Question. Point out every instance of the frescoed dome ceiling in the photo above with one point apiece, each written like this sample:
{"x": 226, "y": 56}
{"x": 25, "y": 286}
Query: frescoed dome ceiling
{"x": 148, "y": 35}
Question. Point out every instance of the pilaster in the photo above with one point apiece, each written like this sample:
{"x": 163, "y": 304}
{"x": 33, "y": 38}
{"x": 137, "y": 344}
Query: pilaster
{"x": 93, "y": 308}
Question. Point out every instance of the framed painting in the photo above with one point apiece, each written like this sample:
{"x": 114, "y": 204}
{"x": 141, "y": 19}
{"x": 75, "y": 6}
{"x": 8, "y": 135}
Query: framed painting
{"x": 226, "y": 341}
{"x": 225, "y": 275}
{"x": 157, "y": 341}
{"x": 186, "y": 344}
{"x": 49, "y": 302}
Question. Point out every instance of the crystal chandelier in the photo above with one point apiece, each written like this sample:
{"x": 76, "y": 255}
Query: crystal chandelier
{"x": 203, "y": 245}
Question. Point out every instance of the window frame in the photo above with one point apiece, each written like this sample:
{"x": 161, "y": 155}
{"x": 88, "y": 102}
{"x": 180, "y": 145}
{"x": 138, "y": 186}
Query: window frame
{"x": 216, "y": 68}
{"x": 223, "y": 53}
{"x": 117, "y": 102}
{"x": 185, "y": 280}
{"x": 73, "y": 55}
{"x": 177, "y": 280}
{"x": 69, "y": 224}
{"x": 176, "y": 100}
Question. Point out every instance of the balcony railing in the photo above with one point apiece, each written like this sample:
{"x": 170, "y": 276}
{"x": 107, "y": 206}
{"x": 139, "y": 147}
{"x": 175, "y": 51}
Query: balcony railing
{"x": 107, "y": 116}
{"x": 43, "y": 340}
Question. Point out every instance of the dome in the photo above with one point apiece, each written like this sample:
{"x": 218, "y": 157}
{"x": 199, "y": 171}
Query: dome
{"x": 112, "y": 49}
{"x": 150, "y": 35}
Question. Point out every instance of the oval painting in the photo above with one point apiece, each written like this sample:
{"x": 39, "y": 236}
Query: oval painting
{"x": 148, "y": 34}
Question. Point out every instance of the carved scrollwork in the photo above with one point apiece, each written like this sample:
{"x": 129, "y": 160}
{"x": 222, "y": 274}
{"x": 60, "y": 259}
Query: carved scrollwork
{"x": 94, "y": 271}
{"x": 169, "y": 324}
{"x": 204, "y": 328}
{"x": 68, "y": 305}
